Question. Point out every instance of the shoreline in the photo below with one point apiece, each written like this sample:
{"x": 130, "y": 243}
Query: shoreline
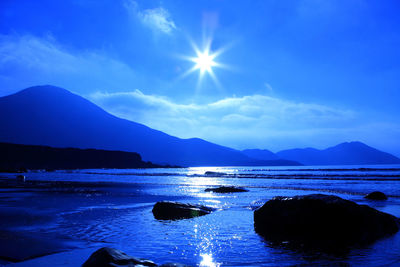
{"x": 52, "y": 185}
{"x": 106, "y": 211}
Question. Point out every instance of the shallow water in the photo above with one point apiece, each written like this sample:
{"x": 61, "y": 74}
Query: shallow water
{"x": 118, "y": 214}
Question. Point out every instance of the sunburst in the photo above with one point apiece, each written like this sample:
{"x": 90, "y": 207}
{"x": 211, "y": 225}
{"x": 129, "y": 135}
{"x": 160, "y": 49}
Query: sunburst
{"x": 204, "y": 62}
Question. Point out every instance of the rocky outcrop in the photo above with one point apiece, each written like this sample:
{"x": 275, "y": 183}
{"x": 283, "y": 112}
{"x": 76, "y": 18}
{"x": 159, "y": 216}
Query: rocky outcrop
{"x": 168, "y": 210}
{"x": 110, "y": 257}
{"x": 376, "y": 195}
{"x": 322, "y": 221}
{"x": 226, "y": 189}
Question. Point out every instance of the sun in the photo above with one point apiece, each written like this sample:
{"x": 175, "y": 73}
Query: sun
{"x": 204, "y": 61}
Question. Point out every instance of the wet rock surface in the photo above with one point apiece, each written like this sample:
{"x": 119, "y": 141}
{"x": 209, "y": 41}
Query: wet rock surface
{"x": 376, "y": 195}
{"x": 110, "y": 257}
{"x": 226, "y": 189}
{"x": 168, "y": 210}
{"x": 320, "y": 221}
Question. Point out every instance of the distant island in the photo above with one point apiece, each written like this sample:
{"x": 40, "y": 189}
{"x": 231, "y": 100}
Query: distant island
{"x": 15, "y": 158}
{"x": 52, "y": 116}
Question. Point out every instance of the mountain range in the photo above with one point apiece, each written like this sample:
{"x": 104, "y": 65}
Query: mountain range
{"x": 52, "y": 116}
{"x": 348, "y": 153}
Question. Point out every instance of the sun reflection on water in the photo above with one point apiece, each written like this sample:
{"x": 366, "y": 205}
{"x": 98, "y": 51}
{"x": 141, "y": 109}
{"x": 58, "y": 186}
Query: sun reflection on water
{"x": 203, "y": 170}
{"x": 208, "y": 261}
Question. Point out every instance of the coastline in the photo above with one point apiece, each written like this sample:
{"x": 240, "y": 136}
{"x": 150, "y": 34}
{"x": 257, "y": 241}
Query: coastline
{"x": 28, "y": 208}
{"x": 95, "y": 212}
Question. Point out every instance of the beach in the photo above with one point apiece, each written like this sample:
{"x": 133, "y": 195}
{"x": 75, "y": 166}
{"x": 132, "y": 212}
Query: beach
{"x": 60, "y": 218}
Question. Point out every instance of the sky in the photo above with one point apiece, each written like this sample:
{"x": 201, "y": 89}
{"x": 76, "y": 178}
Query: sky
{"x": 304, "y": 73}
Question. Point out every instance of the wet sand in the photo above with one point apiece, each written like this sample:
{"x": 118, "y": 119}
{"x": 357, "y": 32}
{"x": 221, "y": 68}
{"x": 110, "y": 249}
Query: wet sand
{"x": 28, "y": 209}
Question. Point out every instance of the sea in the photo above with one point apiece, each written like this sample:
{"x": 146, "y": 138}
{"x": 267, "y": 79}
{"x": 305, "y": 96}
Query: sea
{"x": 79, "y": 211}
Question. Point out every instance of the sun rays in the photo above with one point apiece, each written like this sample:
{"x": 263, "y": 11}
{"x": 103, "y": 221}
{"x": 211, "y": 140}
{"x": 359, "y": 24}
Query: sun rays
{"x": 205, "y": 60}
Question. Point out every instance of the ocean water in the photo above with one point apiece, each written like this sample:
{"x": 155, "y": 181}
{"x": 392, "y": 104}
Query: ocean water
{"x": 103, "y": 207}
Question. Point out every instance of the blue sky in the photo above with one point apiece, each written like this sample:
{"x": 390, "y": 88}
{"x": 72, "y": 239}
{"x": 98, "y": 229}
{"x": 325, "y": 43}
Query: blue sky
{"x": 294, "y": 73}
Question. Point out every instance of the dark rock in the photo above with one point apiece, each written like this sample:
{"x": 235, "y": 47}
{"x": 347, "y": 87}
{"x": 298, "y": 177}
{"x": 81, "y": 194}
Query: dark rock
{"x": 217, "y": 174}
{"x": 323, "y": 222}
{"x": 376, "y": 195}
{"x": 174, "y": 265}
{"x": 21, "y": 178}
{"x": 167, "y": 210}
{"x": 226, "y": 189}
{"x": 109, "y": 257}
{"x": 35, "y": 157}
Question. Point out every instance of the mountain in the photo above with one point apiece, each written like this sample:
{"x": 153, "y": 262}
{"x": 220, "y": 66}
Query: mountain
{"x": 19, "y": 157}
{"x": 52, "y": 116}
{"x": 349, "y": 153}
{"x": 265, "y": 154}
{"x": 262, "y": 154}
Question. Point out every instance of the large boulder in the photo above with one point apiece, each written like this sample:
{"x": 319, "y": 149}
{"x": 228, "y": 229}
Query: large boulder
{"x": 109, "y": 257}
{"x": 376, "y": 195}
{"x": 226, "y": 189}
{"x": 322, "y": 222}
{"x": 168, "y": 210}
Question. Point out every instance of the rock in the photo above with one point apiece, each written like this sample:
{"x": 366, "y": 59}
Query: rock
{"x": 109, "y": 257}
{"x": 226, "y": 189}
{"x": 217, "y": 174}
{"x": 21, "y": 178}
{"x": 167, "y": 210}
{"x": 376, "y": 195}
{"x": 322, "y": 221}
{"x": 174, "y": 265}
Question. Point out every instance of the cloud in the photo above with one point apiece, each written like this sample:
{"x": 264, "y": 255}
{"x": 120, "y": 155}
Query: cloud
{"x": 235, "y": 121}
{"x": 27, "y": 60}
{"x": 158, "y": 19}
{"x": 269, "y": 88}
{"x": 262, "y": 121}
{"x": 253, "y": 121}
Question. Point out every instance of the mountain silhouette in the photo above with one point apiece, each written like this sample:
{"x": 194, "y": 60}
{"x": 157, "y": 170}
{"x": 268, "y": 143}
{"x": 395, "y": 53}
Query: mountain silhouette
{"x": 349, "y": 153}
{"x": 52, "y": 116}
{"x": 14, "y": 158}
{"x": 262, "y": 154}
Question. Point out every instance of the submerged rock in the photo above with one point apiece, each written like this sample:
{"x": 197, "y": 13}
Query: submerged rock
{"x": 226, "y": 189}
{"x": 376, "y": 195}
{"x": 324, "y": 222}
{"x": 109, "y": 257}
{"x": 173, "y": 265}
{"x": 168, "y": 210}
{"x": 21, "y": 178}
{"x": 217, "y": 174}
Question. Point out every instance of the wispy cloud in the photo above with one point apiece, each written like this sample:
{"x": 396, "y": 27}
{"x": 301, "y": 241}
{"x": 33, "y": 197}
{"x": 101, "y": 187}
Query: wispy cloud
{"x": 236, "y": 121}
{"x": 27, "y": 60}
{"x": 253, "y": 121}
{"x": 158, "y": 19}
